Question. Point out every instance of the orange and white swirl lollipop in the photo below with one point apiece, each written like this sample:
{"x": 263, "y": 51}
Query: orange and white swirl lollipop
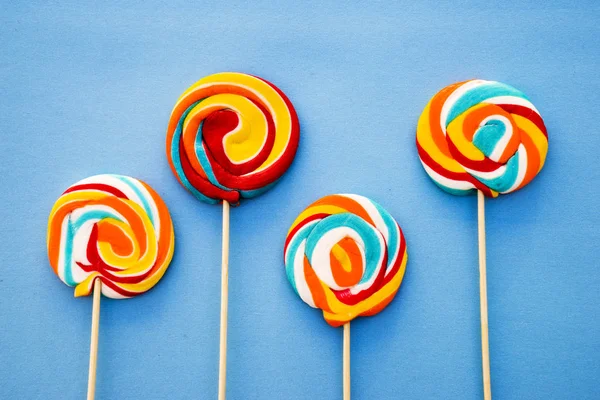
{"x": 112, "y": 228}
{"x": 346, "y": 255}
{"x": 109, "y": 234}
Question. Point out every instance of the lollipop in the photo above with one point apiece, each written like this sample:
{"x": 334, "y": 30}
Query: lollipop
{"x": 345, "y": 255}
{"x": 481, "y": 135}
{"x": 109, "y": 234}
{"x": 230, "y": 136}
{"x": 487, "y": 137}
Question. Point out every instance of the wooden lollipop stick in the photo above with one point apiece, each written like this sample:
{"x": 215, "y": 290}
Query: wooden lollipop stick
{"x": 94, "y": 340}
{"x": 346, "y": 361}
{"x": 224, "y": 299}
{"x": 485, "y": 345}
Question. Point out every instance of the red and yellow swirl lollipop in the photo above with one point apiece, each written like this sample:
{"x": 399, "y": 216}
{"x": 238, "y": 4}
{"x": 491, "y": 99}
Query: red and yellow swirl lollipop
{"x": 231, "y": 135}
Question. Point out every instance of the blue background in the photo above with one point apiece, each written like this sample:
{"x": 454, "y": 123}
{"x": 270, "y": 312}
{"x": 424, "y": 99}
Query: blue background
{"x": 88, "y": 89}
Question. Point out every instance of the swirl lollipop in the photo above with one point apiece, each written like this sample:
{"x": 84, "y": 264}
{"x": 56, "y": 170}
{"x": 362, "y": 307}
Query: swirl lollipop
{"x": 109, "y": 234}
{"x": 487, "y": 137}
{"x": 230, "y": 136}
{"x": 345, "y": 255}
{"x": 481, "y": 135}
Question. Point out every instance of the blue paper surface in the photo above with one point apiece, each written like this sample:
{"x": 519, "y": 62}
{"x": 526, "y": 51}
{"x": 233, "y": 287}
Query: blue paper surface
{"x": 88, "y": 88}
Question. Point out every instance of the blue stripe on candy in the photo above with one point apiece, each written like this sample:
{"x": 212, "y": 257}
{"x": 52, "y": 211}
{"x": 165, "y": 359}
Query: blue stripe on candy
{"x": 248, "y": 194}
{"x": 293, "y": 246}
{"x": 177, "y": 161}
{"x": 69, "y": 253}
{"x": 487, "y": 136}
{"x": 455, "y": 192}
{"x": 479, "y": 95}
{"x": 507, "y": 179}
{"x": 203, "y": 159}
{"x": 357, "y": 224}
{"x": 393, "y": 239}
{"x": 72, "y": 228}
{"x": 139, "y": 193}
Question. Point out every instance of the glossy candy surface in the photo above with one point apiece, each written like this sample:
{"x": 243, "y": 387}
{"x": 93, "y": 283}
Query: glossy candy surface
{"x": 231, "y": 135}
{"x": 113, "y": 228}
{"x": 481, "y": 135}
{"x": 345, "y": 255}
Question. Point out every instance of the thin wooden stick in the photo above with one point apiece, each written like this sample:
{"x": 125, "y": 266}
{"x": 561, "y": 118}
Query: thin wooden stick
{"x": 346, "y": 361}
{"x": 94, "y": 340}
{"x": 224, "y": 300}
{"x": 485, "y": 345}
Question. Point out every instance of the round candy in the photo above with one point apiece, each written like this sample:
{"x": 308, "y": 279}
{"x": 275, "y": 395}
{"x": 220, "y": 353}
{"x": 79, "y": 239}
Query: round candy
{"x": 231, "y": 135}
{"x": 345, "y": 255}
{"x": 113, "y": 228}
{"x": 481, "y": 135}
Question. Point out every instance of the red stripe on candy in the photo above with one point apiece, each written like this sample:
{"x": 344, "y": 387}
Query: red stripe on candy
{"x": 346, "y": 296}
{"x": 526, "y": 113}
{"x": 306, "y": 221}
{"x": 97, "y": 186}
{"x": 202, "y": 184}
{"x": 456, "y": 176}
{"x": 217, "y": 125}
{"x": 486, "y": 165}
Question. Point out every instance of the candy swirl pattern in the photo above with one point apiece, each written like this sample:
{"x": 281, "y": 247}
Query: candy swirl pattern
{"x": 113, "y": 228}
{"x": 481, "y": 135}
{"x": 345, "y": 255}
{"x": 231, "y": 135}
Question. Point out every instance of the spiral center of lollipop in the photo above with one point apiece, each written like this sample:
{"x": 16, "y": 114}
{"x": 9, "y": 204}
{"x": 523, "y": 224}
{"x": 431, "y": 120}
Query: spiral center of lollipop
{"x": 216, "y": 126}
{"x": 114, "y": 236}
{"x": 220, "y": 122}
{"x": 235, "y": 132}
{"x": 488, "y": 138}
{"x": 346, "y": 262}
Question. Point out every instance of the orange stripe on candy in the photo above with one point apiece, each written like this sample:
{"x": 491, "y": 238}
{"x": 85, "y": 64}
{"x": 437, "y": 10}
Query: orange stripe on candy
{"x": 346, "y": 203}
{"x": 533, "y": 159}
{"x": 119, "y": 242}
{"x": 132, "y": 217}
{"x": 346, "y": 263}
{"x": 55, "y": 229}
{"x": 477, "y": 114}
{"x": 315, "y": 286}
{"x": 436, "y": 104}
{"x": 380, "y": 306}
{"x": 166, "y": 241}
